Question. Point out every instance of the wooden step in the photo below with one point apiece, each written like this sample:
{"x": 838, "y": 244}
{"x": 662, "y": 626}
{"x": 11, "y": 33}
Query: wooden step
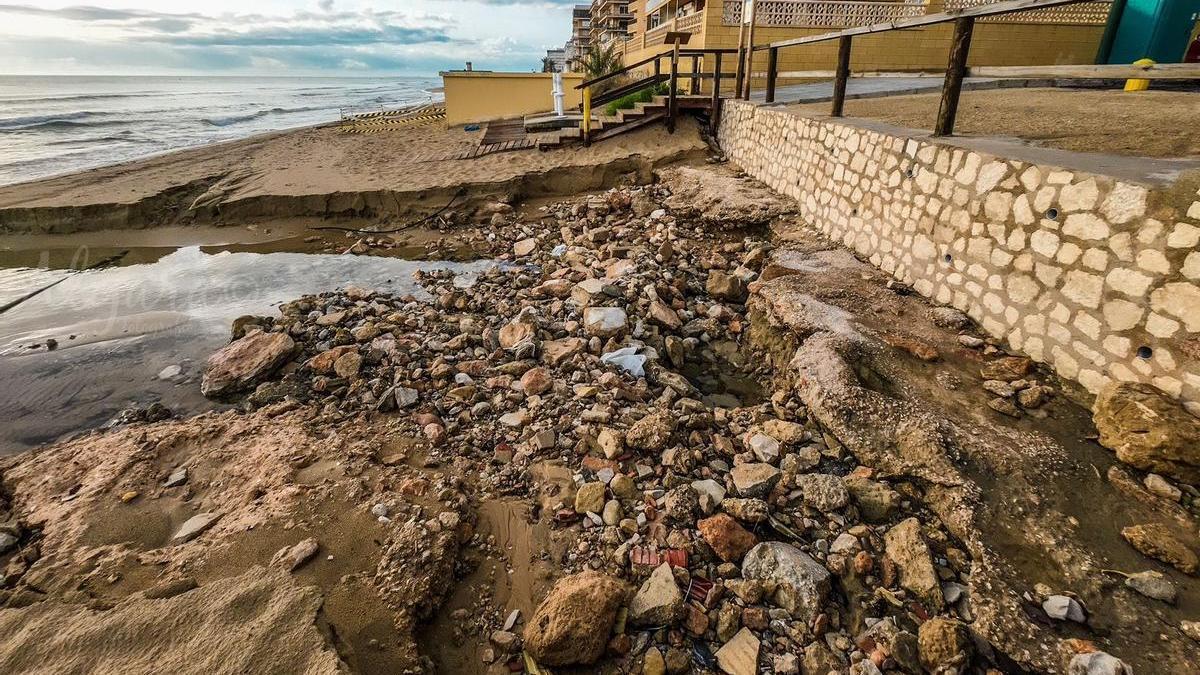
{"x": 637, "y": 124}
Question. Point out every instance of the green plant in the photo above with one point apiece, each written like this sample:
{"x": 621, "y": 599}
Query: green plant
{"x": 601, "y": 61}
{"x": 643, "y": 95}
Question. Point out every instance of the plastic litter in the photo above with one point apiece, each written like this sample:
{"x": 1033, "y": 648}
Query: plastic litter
{"x": 559, "y": 250}
{"x": 628, "y": 359}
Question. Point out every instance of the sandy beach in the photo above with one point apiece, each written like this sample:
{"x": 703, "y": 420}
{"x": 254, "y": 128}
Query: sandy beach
{"x": 324, "y": 172}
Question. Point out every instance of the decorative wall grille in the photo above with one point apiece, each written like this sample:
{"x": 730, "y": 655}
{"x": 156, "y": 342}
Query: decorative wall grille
{"x": 692, "y": 23}
{"x": 1079, "y": 14}
{"x": 818, "y": 14}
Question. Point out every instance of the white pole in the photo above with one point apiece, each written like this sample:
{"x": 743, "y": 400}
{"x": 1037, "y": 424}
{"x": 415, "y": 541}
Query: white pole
{"x": 558, "y": 94}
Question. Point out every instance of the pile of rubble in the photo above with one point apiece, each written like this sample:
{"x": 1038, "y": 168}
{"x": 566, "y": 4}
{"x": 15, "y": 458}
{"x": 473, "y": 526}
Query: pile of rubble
{"x": 716, "y": 528}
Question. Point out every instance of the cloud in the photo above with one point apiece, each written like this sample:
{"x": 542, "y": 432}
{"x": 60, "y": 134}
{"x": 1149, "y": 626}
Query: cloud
{"x": 324, "y": 39}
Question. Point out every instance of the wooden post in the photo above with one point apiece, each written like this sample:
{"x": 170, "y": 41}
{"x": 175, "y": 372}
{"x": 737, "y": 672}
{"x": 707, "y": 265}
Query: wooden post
{"x": 587, "y": 116}
{"x": 672, "y": 103}
{"x": 842, "y": 77}
{"x": 772, "y": 72}
{"x": 750, "y": 47}
{"x": 695, "y": 88}
{"x": 657, "y": 67}
{"x": 956, "y": 70}
{"x": 714, "y": 110}
{"x": 741, "y": 56}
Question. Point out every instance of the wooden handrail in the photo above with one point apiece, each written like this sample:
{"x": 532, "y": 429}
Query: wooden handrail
{"x": 624, "y": 70}
{"x": 993, "y": 9}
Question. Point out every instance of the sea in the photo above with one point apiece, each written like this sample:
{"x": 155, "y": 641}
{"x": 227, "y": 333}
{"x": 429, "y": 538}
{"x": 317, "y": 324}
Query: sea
{"x": 56, "y": 125}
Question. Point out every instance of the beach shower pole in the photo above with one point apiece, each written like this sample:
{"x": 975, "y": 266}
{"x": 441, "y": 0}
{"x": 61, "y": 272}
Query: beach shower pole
{"x": 558, "y": 94}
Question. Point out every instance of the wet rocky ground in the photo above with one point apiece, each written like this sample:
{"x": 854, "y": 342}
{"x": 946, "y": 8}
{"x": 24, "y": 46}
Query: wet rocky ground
{"x": 670, "y": 432}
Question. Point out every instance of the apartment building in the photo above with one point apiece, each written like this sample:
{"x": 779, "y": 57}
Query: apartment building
{"x": 611, "y": 20}
{"x": 581, "y": 37}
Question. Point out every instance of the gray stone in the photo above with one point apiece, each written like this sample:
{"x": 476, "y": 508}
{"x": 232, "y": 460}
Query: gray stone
{"x": 195, "y": 526}
{"x": 604, "y": 321}
{"x": 765, "y": 448}
{"x": 1064, "y": 608}
{"x": 1098, "y": 663}
{"x": 754, "y": 479}
{"x": 1152, "y": 584}
{"x": 7, "y": 541}
{"x": 801, "y": 583}
{"x": 406, "y": 396}
{"x": 822, "y": 491}
{"x": 178, "y": 477}
{"x": 876, "y": 501}
{"x": 659, "y": 601}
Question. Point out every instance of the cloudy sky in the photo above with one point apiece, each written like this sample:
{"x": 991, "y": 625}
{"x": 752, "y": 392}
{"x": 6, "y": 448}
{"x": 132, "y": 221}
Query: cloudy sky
{"x": 277, "y": 37}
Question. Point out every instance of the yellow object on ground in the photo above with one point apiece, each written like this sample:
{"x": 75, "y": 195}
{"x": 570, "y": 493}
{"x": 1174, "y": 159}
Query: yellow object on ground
{"x": 1139, "y": 85}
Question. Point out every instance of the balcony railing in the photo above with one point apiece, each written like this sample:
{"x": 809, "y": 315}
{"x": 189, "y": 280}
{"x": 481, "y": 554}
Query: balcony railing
{"x": 1082, "y": 14}
{"x": 692, "y": 23}
{"x": 822, "y": 14}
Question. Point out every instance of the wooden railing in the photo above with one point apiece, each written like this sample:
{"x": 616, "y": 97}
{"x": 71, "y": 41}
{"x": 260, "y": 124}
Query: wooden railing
{"x": 963, "y": 19}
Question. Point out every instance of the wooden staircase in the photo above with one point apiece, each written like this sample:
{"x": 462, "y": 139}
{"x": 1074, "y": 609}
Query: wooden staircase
{"x": 607, "y": 126}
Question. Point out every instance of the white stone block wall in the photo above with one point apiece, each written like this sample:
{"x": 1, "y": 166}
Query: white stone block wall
{"x": 1098, "y": 277}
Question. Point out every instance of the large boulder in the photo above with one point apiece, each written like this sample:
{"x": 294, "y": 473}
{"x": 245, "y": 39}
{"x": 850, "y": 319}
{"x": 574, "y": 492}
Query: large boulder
{"x": 1149, "y": 430}
{"x": 243, "y": 363}
{"x": 573, "y": 623}
{"x": 801, "y": 583}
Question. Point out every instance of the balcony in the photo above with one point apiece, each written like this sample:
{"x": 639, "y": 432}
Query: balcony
{"x": 692, "y": 23}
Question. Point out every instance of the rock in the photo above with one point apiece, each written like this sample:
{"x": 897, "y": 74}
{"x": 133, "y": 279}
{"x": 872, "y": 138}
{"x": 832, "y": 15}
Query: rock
{"x": 1098, "y": 663}
{"x": 193, "y": 527}
{"x": 1191, "y": 629}
{"x": 573, "y": 623}
{"x": 590, "y": 498}
{"x": 651, "y": 433}
{"x": 728, "y": 539}
{"x": 654, "y": 664}
{"x": 1158, "y": 485}
{"x": 525, "y": 247}
{"x": 520, "y": 330}
{"x": 170, "y": 588}
{"x": 681, "y": 505}
{"x": 944, "y": 645}
{"x": 506, "y": 641}
{"x": 347, "y": 365}
{"x": 801, "y": 583}
{"x": 658, "y": 602}
{"x": 612, "y": 512}
{"x": 877, "y": 502}
{"x": 948, "y": 317}
{"x": 557, "y": 352}
{"x": 907, "y": 548}
{"x": 1149, "y": 430}
{"x": 293, "y": 558}
{"x": 243, "y": 363}
{"x": 739, "y": 656}
{"x": 820, "y": 660}
{"x": 406, "y": 397}
{"x": 323, "y": 362}
{"x": 170, "y": 372}
{"x": 1007, "y": 368}
{"x": 822, "y": 491}
{"x": 515, "y": 420}
{"x": 1152, "y": 584}
{"x": 725, "y": 286}
{"x": 664, "y": 316}
{"x": 7, "y": 542}
{"x": 746, "y": 510}
{"x": 1004, "y": 406}
{"x": 604, "y": 322}
{"x": 710, "y": 489}
{"x": 178, "y": 477}
{"x": 1064, "y": 608}
{"x": 611, "y": 443}
{"x": 536, "y": 381}
{"x": 754, "y": 479}
{"x": 1156, "y": 541}
{"x": 785, "y": 664}
{"x": 587, "y": 291}
{"x": 765, "y": 448}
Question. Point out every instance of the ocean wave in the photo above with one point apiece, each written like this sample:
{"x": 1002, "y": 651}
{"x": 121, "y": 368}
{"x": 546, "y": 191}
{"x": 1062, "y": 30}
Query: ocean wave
{"x": 57, "y": 123}
{"x": 250, "y": 117}
{"x": 36, "y": 120}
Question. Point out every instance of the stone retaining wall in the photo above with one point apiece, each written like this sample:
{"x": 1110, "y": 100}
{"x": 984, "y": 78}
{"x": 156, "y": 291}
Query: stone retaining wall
{"x": 1098, "y": 277}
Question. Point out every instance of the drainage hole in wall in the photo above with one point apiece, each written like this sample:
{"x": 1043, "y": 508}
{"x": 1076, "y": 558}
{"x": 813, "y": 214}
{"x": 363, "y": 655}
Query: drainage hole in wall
{"x": 947, "y": 258}
{"x": 912, "y": 171}
{"x": 1145, "y": 352}
{"x": 1052, "y": 213}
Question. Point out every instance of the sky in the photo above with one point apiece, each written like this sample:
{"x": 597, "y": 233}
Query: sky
{"x": 277, "y": 37}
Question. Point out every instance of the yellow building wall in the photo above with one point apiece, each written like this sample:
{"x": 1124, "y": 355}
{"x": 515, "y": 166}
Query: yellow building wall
{"x": 481, "y": 97}
{"x": 992, "y": 44}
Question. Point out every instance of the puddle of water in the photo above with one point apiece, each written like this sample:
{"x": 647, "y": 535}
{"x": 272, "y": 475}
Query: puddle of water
{"x": 116, "y": 329}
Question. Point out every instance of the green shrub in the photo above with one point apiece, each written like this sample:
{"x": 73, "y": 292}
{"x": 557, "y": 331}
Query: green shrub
{"x": 643, "y": 95}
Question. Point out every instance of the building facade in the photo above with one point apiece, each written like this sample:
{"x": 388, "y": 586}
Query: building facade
{"x": 1059, "y": 35}
{"x": 611, "y": 20}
